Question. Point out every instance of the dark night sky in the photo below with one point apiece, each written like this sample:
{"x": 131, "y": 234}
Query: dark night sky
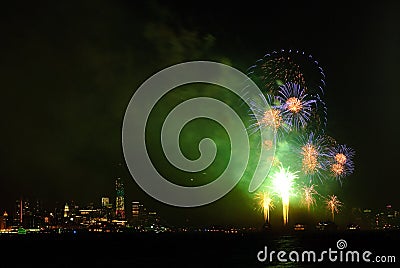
{"x": 68, "y": 70}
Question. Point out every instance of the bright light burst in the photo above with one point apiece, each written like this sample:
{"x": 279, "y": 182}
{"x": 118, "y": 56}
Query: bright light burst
{"x": 265, "y": 203}
{"x": 340, "y": 158}
{"x": 294, "y": 105}
{"x": 313, "y": 154}
{"x": 271, "y": 118}
{"x": 310, "y": 158}
{"x": 337, "y": 169}
{"x": 292, "y": 84}
{"x": 308, "y": 196}
{"x": 340, "y": 161}
{"x": 297, "y": 105}
{"x": 282, "y": 184}
{"x": 333, "y": 204}
{"x": 282, "y": 66}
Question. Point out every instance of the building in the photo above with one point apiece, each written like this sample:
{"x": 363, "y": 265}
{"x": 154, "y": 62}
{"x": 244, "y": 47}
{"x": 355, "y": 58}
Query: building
{"x": 106, "y": 209}
{"x": 25, "y": 214}
{"x": 120, "y": 202}
{"x": 4, "y": 221}
{"x": 388, "y": 218}
{"x": 105, "y": 202}
{"x": 367, "y": 219}
{"x": 66, "y": 210}
{"x": 137, "y": 213}
{"x": 19, "y": 212}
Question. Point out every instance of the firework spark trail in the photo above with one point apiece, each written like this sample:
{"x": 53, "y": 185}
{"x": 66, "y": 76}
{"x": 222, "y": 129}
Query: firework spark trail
{"x": 309, "y": 199}
{"x": 310, "y": 158}
{"x": 265, "y": 203}
{"x": 333, "y": 204}
{"x": 279, "y": 67}
{"x": 282, "y": 183}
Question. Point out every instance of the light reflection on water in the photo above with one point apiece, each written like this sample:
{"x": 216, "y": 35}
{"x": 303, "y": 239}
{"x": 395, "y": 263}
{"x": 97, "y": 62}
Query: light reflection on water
{"x": 379, "y": 243}
{"x": 286, "y": 243}
{"x": 195, "y": 250}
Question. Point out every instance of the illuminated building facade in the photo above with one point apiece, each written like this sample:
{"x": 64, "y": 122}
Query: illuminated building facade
{"x": 66, "y": 210}
{"x": 137, "y": 211}
{"x": 106, "y": 209}
{"x": 28, "y": 214}
{"x": 119, "y": 204}
{"x": 4, "y": 221}
{"x": 105, "y": 202}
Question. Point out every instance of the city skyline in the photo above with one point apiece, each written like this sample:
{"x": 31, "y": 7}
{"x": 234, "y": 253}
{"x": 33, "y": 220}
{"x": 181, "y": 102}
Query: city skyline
{"x": 133, "y": 207}
{"x": 31, "y": 215}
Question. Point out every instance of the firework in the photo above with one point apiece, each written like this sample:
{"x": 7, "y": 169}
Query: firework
{"x": 270, "y": 118}
{"x": 292, "y": 85}
{"x": 340, "y": 161}
{"x": 282, "y": 183}
{"x": 296, "y": 105}
{"x": 265, "y": 203}
{"x": 333, "y": 204}
{"x": 280, "y": 67}
{"x": 308, "y": 196}
{"x": 311, "y": 150}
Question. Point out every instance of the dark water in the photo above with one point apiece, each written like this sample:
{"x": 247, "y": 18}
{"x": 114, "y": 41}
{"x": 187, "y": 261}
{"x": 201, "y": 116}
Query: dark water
{"x": 188, "y": 249}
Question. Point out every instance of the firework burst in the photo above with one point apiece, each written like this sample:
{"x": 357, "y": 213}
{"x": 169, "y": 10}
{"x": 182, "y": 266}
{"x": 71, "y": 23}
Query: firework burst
{"x": 270, "y": 118}
{"x": 265, "y": 203}
{"x": 340, "y": 161}
{"x": 296, "y": 105}
{"x": 282, "y": 184}
{"x": 278, "y": 68}
{"x": 308, "y": 196}
{"x": 333, "y": 204}
{"x": 283, "y": 66}
{"x": 311, "y": 151}
{"x": 292, "y": 85}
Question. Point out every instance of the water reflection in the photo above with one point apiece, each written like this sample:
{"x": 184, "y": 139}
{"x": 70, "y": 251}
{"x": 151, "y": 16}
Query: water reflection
{"x": 285, "y": 243}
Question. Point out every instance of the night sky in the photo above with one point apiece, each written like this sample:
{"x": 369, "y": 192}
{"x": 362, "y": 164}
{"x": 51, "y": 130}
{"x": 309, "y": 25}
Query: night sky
{"x": 68, "y": 71}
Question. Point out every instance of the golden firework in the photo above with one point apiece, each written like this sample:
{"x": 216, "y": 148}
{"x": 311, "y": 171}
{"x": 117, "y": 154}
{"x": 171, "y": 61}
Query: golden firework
{"x": 268, "y": 144}
{"x": 310, "y": 158}
{"x": 340, "y": 158}
{"x": 294, "y": 104}
{"x": 272, "y": 118}
{"x": 308, "y": 193}
{"x": 333, "y": 204}
{"x": 337, "y": 169}
{"x": 265, "y": 203}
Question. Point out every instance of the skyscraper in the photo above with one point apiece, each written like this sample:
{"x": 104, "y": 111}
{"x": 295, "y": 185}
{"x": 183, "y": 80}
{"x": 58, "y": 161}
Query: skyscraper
{"x": 27, "y": 214}
{"x": 105, "y": 202}
{"x": 137, "y": 211}
{"x": 3, "y": 221}
{"x": 66, "y": 210}
{"x": 119, "y": 204}
{"x": 19, "y": 212}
